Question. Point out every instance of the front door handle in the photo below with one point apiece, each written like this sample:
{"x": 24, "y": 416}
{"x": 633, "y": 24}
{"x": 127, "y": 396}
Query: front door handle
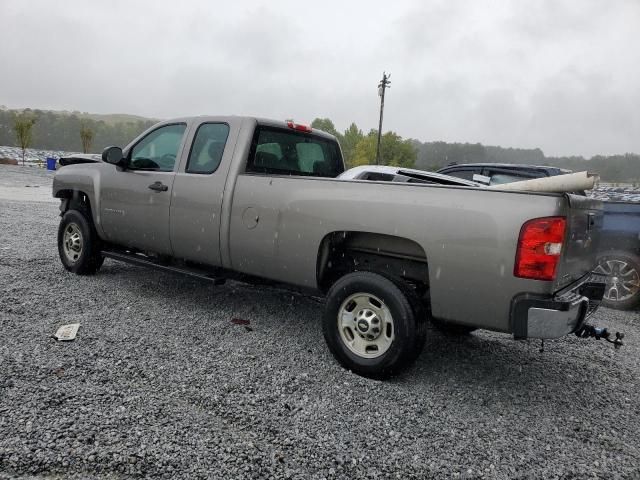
{"x": 158, "y": 187}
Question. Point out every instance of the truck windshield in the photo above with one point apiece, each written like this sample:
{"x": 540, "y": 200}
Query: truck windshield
{"x": 282, "y": 152}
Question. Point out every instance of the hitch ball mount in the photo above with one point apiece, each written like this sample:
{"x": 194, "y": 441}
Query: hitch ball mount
{"x": 589, "y": 331}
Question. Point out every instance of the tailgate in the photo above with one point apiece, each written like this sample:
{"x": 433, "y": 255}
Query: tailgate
{"x": 584, "y": 221}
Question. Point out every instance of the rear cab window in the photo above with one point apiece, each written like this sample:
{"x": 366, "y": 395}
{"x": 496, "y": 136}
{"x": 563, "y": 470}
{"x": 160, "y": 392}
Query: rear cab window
{"x": 278, "y": 151}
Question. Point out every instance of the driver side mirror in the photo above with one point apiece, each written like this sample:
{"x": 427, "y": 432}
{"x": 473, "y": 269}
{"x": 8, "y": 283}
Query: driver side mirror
{"x": 114, "y": 156}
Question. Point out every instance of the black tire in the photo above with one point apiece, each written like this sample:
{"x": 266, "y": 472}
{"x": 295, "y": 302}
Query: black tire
{"x": 622, "y": 270}
{"x": 408, "y": 325}
{"x": 452, "y": 329}
{"x": 87, "y": 260}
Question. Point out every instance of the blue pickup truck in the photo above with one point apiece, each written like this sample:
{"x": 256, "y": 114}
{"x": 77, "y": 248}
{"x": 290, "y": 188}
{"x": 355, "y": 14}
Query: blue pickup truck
{"x": 619, "y": 257}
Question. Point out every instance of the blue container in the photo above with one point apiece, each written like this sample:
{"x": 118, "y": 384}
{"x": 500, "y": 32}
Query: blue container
{"x": 51, "y": 163}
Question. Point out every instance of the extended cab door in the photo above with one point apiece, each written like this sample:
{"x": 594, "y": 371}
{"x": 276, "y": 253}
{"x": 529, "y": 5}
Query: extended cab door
{"x": 135, "y": 201}
{"x": 196, "y": 205}
{"x": 267, "y": 237}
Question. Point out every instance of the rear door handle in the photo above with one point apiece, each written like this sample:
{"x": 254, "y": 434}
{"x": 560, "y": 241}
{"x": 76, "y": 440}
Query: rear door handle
{"x": 158, "y": 187}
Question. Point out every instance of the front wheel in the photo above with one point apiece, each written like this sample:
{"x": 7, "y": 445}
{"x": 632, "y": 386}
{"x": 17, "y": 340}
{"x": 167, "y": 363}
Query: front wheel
{"x": 622, "y": 271}
{"x": 78, "y": 244}
{"x": 371, "y": 326}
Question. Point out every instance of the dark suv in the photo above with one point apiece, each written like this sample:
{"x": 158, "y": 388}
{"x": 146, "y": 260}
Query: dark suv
{"x": 619, "y": 257}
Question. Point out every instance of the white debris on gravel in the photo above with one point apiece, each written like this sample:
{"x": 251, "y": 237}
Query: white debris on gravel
{"x": 66, "y": 333}
{"x": 164, "y": 385}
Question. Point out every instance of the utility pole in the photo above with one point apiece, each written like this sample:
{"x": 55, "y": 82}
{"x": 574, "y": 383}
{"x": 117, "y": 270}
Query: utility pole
{"x": 382, "y": 86}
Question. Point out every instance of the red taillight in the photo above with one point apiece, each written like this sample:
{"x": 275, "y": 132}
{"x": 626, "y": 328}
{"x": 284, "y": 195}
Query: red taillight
{"x": 539, "y": 248}
{"x": 298, "y": 127}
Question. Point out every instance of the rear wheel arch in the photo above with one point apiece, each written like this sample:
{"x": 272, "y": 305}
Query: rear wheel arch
{"x": 619, "y": 241}
{"x": 343, "y": 252}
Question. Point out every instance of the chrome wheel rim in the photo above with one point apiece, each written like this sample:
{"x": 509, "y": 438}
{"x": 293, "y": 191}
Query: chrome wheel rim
{"x": 622, "y": 279}
{"x": 366, "y": 326}
{"x": 72, "y": 242}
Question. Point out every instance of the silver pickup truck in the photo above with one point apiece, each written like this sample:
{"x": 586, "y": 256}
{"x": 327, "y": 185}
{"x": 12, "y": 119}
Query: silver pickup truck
{"x": 246, "y": 198}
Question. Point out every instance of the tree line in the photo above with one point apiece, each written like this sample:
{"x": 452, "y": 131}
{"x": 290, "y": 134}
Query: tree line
{"x": 72, "y": 132}
{"x": 78, "y": 132}
{"x": 359, "y": 149}
{"x": 611, "y": 168}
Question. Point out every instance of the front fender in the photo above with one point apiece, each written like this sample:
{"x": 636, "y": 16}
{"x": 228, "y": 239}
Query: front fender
{"x": 81, "y": 183}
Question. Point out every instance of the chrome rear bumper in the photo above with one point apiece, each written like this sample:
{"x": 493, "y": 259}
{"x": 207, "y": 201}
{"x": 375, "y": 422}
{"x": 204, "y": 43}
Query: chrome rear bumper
{"x": 537, "y": 316}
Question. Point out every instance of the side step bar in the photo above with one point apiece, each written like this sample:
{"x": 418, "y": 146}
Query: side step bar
{"x": 142, "y": 261}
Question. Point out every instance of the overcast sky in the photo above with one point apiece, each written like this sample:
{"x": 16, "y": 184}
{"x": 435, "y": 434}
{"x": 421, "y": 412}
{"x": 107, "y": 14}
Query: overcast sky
{"x": 560, "y": 75}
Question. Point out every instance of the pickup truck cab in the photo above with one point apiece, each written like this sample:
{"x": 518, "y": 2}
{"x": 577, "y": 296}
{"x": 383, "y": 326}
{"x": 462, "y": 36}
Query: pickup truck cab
{"x": 247, "y": 198}
{"x": 619, "y": 256}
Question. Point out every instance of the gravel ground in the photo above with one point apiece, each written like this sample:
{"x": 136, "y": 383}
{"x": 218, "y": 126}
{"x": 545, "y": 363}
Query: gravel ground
{"x": 161, "y": 383}
{"x": 26, "y": 184}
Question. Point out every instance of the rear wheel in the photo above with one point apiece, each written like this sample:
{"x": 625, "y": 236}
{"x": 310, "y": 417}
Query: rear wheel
{"x": 78, "y": 244}
{"x": 622, "y": 271}
{"x": 371, "y": 324}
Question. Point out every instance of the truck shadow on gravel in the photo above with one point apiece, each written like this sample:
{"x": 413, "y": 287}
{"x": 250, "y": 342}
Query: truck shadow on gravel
{"x": 487, "y": 362}
{"x": 481, "y": 358}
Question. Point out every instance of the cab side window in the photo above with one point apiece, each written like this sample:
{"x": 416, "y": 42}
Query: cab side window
{"x": 158, "y": 150}
{"x": 208, "y": 147}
